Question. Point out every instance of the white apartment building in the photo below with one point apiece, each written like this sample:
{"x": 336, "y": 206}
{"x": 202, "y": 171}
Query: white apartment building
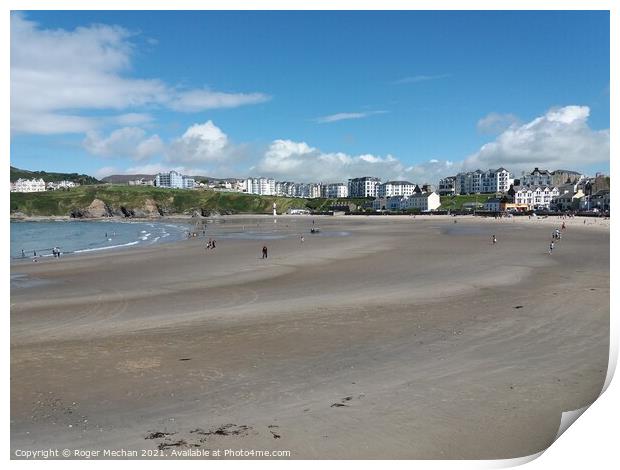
{"x": 365, "y": 186}
{"x": 284, "y": 188}
{"x": 490, "y": 181}
{"x": 28, "y": 186}
{"x": 314, "y": 190}
{"x": 174, "y": 180}
{"x": 262, "y": 186}
{"x": 395, "y": 188}
{"x": 537, "y": 197}
{"x": 334, "y": 190}
{"x": 447, "y": 186}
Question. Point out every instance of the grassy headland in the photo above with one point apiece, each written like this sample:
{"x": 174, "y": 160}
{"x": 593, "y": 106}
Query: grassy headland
{"x": 168, "y": 201}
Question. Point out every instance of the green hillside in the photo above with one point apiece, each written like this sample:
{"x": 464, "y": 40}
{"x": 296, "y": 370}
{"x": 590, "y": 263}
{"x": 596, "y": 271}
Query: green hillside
{"x": 169, "y": 201}
{"x": 456, "y": 202}
{"x": 17, "y": 173}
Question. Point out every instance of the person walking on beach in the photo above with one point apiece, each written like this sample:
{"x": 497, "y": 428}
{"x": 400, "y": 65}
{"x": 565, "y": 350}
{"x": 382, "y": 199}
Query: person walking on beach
{"x": 301, "y": 239}
{"x": 563, "y": 225}
{"x": 551, "y": 246}
{"x": 494, "y": 240}
{"x": 23, "y": 254}
{"x": 264, "y": 252}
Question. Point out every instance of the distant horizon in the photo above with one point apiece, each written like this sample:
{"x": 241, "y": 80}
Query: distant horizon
{"x": 327, "y": 181}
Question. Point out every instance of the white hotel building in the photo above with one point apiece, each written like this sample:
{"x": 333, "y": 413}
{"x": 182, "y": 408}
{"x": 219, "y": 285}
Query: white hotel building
{"x": 490, "y": 181}
{"x": 174, "y": 180}
{"x": 395, "y": 188}
{"x": 334, "y": 190}
{"x": 536, "y": 197}
{"x": 365, "y": 186}
{"x": 262, "y": 186}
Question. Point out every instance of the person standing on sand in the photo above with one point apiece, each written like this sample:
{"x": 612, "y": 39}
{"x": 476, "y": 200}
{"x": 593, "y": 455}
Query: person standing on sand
{"x": 494, "y": 240}
{"x": 551, "y": 245}
{"x": 264, "y": 252}
{"x": 563, "y": 225}
{"x": 301, "y": 239}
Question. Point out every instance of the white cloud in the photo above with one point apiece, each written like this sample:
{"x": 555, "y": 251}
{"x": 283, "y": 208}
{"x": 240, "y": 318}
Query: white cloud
{"x": 57, "y": 75}
{"x": 129, "y": 142}
{"x": 344, "y": 116}
{"x": 200, "y": 143}
{"x": 561, "y": 138}
{"x": 298, "y": 161}
{"x": 199, "y": 100}
{"x": 106, "y": 171}
{"x": 494, "y": 123}
{"x": 154, "y": 168}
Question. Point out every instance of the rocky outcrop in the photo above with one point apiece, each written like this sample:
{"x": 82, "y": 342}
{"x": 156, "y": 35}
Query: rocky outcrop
{"x": 96, "y": 209}
{"x": 151, "y": 208}
{"x": 213, "y": 213}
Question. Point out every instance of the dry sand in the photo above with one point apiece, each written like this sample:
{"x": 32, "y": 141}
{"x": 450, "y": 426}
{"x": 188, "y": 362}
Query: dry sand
{"x": 409, "y": 338}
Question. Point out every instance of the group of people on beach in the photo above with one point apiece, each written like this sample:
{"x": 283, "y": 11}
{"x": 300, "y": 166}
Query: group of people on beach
{"x": 210, "y": 244}
{"x": 556, "y": 235}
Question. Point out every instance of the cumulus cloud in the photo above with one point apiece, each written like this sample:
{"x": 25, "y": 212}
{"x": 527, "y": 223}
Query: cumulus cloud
{"x": 200, "y": 143}
{"x": 494, "y": 123}
{"x": 561, "y": 138}
{"x": 344, "y": 116}
{"x": 129, "y": 142}
{"x": 298, "y": 161}
{"x": 57, "y": 75}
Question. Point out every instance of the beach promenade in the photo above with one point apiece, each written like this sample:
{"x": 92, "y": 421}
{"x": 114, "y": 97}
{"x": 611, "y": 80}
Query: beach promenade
{"x": 407, "y": 338}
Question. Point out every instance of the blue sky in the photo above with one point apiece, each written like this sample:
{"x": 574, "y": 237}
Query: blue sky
{"x": 309, "y": 95}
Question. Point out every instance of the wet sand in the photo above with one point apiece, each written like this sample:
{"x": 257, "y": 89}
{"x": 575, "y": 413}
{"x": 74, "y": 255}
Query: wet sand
{"x": 409, "y": 338}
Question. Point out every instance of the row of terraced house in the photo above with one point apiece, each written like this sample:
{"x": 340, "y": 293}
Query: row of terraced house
{"x": 539, "y": 189}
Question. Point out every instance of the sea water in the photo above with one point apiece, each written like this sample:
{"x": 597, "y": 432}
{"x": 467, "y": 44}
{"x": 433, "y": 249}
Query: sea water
{"x": 75, "y": 237}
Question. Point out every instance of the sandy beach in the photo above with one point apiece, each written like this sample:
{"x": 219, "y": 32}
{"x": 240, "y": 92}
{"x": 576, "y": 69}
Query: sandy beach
{"x": 397, "y": 337}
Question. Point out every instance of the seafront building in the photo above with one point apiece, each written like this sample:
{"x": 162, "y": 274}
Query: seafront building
{"x": 599, "y": 201}
{"x": 262, "y": 186}
{"x": 447, "y": 186}
{"x": 478, "y": 181}
{"x": 420, "y": 200}
{"x": 365, "y": 186}
{"x": 568, "y": 199}
{"x": 538, "y": 177}
{"x": 334, "y": 190}
{"x": 174, "y": 180}
{"x": 23, "y": 185}
{"x": 536, "y": 198}
{"x": 395, "y": 188}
